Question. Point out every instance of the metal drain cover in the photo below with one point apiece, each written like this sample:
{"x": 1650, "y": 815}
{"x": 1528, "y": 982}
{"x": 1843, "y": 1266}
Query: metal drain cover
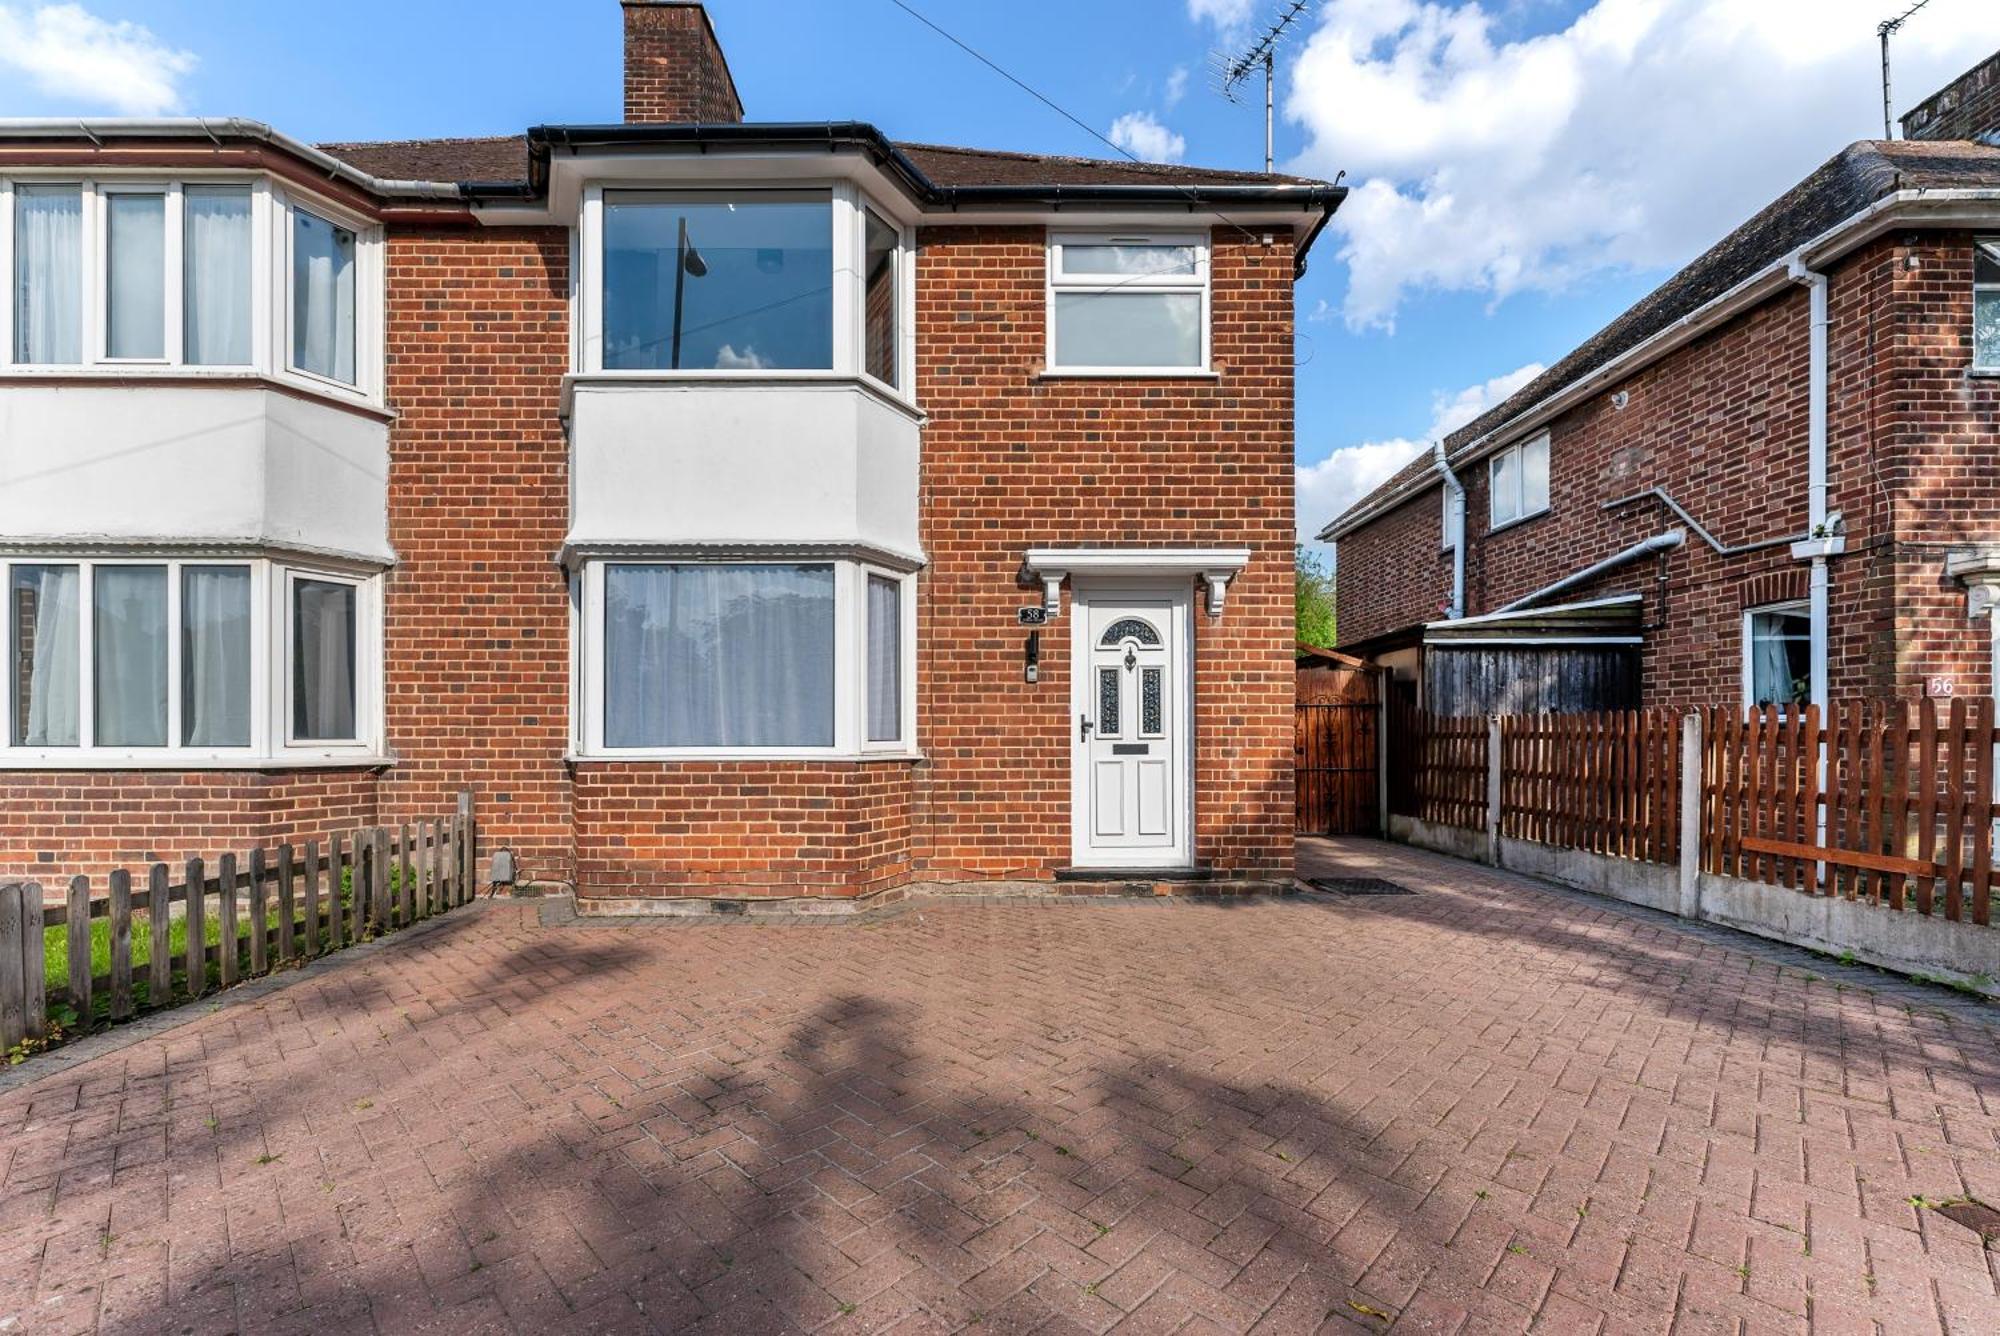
{"x": 1358, "y": 886}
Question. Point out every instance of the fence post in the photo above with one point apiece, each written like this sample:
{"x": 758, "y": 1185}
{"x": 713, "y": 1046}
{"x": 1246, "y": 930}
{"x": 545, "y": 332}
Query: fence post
{"x": 1383, "y": 683}
{"x": 1691, "y": 816}
{"x": 14, "y": 930}
{"x": 468, "y": 869}
{"x": 1493, "y": 789}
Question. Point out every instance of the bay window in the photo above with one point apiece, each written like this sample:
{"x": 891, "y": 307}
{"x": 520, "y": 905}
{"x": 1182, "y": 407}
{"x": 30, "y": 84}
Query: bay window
{"x": 203, "y": 275}
{"x": 719, "y": 658}
{"x": 1518, "y": 481}
{"x": 744, "y": 282}
{"x": 169, "y": 661}
{"x": 701, "y": 281}
{"x": 1128, "y": 304}
{"x": 1986, "y": 304}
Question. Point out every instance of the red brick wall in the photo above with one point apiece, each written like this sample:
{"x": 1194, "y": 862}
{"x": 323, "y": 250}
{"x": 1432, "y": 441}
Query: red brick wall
{"x": 1721, "y": 425}
{"x": 60, "y": 823}
{"x": 752, "y": 828}
{"x": 1011, "y": 462}
{"x": 476, "y": 638}
{"x": 1966, "y": 108}
{"x": 674, "y": 70}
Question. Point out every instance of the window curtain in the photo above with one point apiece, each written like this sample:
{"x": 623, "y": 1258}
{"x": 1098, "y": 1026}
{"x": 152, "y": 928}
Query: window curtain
{"x": 322, "y": 661}
{"x": 885, "y": 660}
{"x": 136, "y": 255}
{"x": 48, "y": 274}
{"x": 322, "y": 298}
{"x": 217, "y": 282}
{"x": 1770, "y": 664}
{"x": 718, "y": 656}
{"x": 46, "y": 655}
{"x": 215, "y": 656}
{"x": 129, "y": 655}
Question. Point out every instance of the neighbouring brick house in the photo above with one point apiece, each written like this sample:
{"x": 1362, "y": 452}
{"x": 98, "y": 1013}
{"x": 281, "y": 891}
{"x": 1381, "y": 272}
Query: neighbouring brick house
{"x": 1704, "y": 503}
{"x": 679, "y": 485}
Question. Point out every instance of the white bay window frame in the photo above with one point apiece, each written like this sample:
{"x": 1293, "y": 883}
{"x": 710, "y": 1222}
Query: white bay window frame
{"x": 849, "y": 239}
{"x": 850, "y": 663}
{"x": 1057, "y": 282}
{"x": 271, "y": 205}
{"x": 270, "y": 669}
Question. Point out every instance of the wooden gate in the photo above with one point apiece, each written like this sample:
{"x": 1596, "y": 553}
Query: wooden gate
{"x": 1334, "y": 756}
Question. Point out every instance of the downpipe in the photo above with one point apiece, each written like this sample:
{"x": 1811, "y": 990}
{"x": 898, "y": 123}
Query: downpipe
{"x": 1457, "y": 491}
{"x": 1818, "y": 599}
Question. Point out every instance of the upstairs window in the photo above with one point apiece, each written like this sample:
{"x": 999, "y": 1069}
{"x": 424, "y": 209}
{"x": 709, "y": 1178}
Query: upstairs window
{"x": 1128, "y": 304}
{"x": 322, "y": 297}
{"x": 1777, "y": 655}
{"x": 712, "y": 281}
{"x": 1519, "y": 481}
{"x": 1986, "y": 304}
{"x": 881, "y": 308}
{"x": 126, "y": 275}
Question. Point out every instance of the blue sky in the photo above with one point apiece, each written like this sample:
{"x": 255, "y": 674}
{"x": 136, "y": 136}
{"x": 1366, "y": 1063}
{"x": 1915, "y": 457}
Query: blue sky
{"x": 1524, "y": 169}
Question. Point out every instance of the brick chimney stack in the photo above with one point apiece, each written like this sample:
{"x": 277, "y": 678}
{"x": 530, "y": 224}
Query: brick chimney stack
{"x": 674, "y": 70}
{"x": 1966, "y": 108}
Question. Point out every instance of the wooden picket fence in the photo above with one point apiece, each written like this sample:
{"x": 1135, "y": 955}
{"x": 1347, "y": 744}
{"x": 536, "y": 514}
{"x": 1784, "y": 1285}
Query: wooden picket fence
{"x": 1607, "y": 783}
{"x": 1439, "y": 769}
{"x": 1880, "y": 801}
{"x": 278, "y": 907}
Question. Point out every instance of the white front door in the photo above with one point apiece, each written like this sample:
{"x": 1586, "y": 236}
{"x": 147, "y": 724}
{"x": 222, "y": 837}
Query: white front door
{"x": 1130, "y": 792}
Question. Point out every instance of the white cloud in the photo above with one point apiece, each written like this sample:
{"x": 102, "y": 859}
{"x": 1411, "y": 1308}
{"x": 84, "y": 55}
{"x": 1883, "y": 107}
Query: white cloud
{"x": 66, "y": 52}
{"x": 728, "y": 359}
{"x": 1176, "y": 87}
{"x": 1631, "y": 139}
{"x": 1328, "y": 488}
{"x": 1139, "y": 134}
{"x": 1224, "y": 14}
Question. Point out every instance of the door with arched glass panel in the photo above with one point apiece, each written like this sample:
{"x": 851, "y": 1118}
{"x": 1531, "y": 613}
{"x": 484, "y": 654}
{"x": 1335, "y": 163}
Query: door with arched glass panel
{"x": 1131, "y": 733}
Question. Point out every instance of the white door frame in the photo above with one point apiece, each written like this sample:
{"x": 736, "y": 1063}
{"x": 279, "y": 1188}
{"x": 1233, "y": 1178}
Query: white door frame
{"x": 1178, "y": 593}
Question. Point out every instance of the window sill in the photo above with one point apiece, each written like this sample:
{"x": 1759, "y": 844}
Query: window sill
{"x": 1983, "y": 372}
{"x": 1127, "y": 373}
{"x": 1519, "y": 520}
{"x": 747, "y": 756}
{"x": 140, "y": 376}
{"x": 51, "y": 760}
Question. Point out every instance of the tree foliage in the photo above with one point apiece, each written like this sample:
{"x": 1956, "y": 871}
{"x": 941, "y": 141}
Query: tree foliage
{"x": 1315, "y": 599}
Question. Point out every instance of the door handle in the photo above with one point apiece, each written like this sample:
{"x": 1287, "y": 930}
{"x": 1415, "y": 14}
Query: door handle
{"x": 1083, "y": 727}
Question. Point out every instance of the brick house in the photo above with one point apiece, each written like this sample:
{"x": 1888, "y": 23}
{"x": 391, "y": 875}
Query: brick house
{"x": 693, "y": 489}
{"x": 1772, "y": 480}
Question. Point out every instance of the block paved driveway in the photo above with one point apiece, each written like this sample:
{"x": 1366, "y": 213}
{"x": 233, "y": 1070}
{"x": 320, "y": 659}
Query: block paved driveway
{"x": 1485, "y": 1107}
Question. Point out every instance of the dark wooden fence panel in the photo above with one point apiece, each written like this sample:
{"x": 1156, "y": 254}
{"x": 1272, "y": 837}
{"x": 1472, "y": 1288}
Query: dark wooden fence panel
{"x": 1334, "y": 759}
{"x": 1437, "y": 767}
{"x": 1606, "y": 783}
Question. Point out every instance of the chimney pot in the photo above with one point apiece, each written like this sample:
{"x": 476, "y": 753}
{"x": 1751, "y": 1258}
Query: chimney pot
{"x": 674, "y": 69}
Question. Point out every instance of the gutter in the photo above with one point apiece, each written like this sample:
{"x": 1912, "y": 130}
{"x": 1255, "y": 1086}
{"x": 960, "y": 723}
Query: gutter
{"x": 1830, "y": 244}
{"x": 216, "y": 130}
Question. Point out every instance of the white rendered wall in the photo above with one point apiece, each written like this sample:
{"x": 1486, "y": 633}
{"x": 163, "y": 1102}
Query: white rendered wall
{"x": 797, "y": 463}
{"x": 218, "y": 463}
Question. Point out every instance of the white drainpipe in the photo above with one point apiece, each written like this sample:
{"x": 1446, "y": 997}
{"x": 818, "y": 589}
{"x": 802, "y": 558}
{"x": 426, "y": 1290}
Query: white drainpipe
{"x": 1456, "y": 491}
{"x": 1816, "y": 514}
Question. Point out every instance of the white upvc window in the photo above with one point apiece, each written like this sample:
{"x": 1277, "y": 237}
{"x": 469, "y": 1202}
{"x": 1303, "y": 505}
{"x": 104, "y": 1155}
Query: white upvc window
{"x": 1128, "y": 304}
{"x": 1777, "y": 655}
{"x": 203, "y": 274}
{"x": 1986, "y": 304}
{"x": 744, "y": 283}
{"x": 745, "y": 659}
{"x": 1518, "y": 481}
{"x": 171, "y": 661}
{"x": 1451, "y": 523}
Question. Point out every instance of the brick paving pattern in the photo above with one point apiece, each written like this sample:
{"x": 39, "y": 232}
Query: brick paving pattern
{"x": 1485, "y": 1107}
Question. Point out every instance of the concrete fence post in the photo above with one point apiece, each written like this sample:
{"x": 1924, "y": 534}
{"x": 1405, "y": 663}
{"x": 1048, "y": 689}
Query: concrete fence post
{"x": 1493, "y": 789}
{"x": 1691, "y": 816}
{"x": 1382, "y": 684}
